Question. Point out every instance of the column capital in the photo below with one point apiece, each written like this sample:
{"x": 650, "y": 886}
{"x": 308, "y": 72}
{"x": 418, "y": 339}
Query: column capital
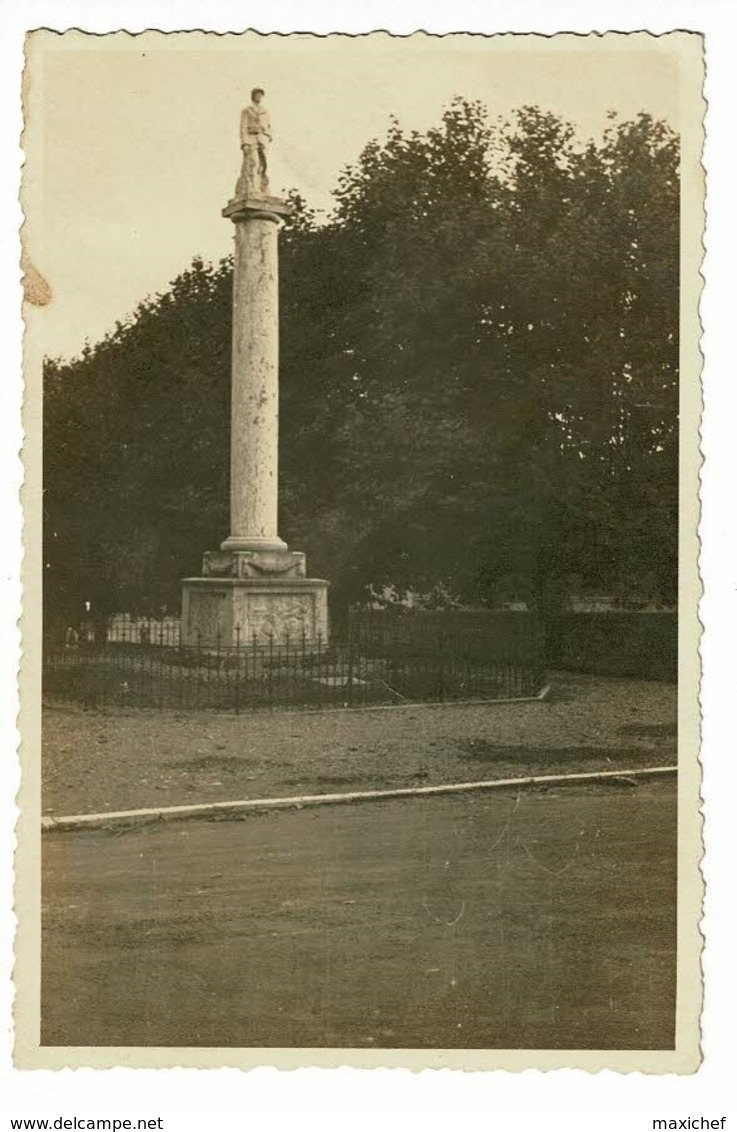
{"x": 257, "y": 208}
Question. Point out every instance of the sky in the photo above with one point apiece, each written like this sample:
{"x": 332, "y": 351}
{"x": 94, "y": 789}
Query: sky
{"x": 132, "y": 141}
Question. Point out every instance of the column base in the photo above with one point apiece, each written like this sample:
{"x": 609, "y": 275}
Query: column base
{"x": 249, "y": 562}
{"x": 265, "y": 612}
{"x": 233, "y": 543}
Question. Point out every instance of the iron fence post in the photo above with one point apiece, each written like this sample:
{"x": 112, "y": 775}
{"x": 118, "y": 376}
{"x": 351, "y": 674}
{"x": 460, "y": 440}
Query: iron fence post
{"x": 237, "y": 668}
{"x": 320, "y": 658}
{"x": 270, "y": 680}
{"x": 198, "y": 667}
{"x": 287, "y": 673}
{"x": 350, "y": 658}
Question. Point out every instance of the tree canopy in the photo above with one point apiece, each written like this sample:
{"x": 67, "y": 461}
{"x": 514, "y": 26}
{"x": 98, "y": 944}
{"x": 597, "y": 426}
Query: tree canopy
{"x": 478, "y": 381}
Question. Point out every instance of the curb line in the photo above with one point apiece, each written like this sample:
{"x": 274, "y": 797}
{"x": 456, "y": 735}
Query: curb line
{"x": 250, "y": 805}
{"x": 539, "y": 698}
{"x": 268, "y": 712}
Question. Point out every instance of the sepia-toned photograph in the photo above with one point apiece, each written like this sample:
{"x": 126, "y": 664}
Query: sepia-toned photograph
{"x": 362, "y": 397}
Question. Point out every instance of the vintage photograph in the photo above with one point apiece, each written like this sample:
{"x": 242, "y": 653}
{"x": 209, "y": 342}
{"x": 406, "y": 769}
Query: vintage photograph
{"x": 364, "y": 380}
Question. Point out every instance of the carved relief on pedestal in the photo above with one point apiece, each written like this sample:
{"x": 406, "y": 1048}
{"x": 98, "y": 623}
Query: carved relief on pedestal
{"x": 265, "y": 563}
{"x": 218, "y": 564}
{"x": 278, "y": 618}
{"x": 253, "y": 564}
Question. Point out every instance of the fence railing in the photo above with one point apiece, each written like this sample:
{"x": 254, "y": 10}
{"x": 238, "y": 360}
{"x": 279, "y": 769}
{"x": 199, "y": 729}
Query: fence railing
{"x": 147, "y": 666}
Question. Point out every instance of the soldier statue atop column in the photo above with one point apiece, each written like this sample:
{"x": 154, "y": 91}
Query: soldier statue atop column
{"x": 256, "y": 137}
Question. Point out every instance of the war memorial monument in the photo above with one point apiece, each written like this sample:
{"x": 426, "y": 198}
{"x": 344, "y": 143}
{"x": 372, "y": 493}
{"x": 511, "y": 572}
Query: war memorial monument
{"x": 254, "y": 589}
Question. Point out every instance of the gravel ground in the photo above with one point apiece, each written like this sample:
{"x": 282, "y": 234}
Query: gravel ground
{"x": 95, "y": 761}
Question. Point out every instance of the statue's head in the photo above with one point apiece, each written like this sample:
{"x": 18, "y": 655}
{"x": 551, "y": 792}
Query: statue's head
{"x": 257, "y": 94}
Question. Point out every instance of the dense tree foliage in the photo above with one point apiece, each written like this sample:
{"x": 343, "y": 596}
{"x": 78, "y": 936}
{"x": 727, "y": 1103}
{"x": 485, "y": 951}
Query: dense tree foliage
{"x": 479, "y": 382}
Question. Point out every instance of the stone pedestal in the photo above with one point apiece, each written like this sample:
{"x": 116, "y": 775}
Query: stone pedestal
{"x": 273, "y": 613}
{"x": 254, "y": 589}
{"x": 254, "y": 597}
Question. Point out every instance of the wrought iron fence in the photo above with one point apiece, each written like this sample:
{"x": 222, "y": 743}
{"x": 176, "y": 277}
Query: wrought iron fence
{"x": 144, "y": 664}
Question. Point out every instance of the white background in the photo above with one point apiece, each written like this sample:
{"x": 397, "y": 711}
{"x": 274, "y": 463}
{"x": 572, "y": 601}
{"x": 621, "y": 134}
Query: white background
{"x": 349, "y": 1099}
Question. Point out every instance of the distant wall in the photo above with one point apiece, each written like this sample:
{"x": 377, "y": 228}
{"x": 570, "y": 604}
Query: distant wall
{"x": 615, "y": 644}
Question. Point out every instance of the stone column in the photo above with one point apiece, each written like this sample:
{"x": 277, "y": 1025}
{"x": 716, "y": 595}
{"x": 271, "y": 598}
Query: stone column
{"x": 254, "y": 590}
{"x": 254, "y": 436}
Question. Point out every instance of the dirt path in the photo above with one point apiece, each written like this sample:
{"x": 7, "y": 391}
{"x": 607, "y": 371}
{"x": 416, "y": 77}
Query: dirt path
{"x": 545, "y": 921}
{"x": 124, "y": 759}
